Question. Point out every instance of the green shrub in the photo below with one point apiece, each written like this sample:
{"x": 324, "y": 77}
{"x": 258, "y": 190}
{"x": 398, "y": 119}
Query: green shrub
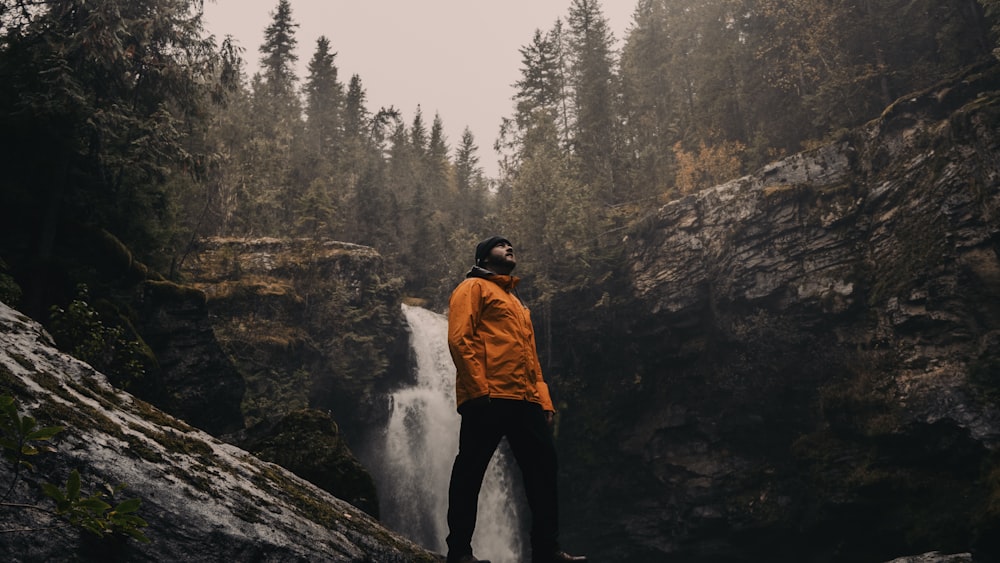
{"x": 79, "y": 331}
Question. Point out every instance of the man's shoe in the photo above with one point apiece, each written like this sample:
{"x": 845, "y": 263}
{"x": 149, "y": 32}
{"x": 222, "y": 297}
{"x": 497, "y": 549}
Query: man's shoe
{"x": 563, "y": 557}
{"x": 468, "y": 559}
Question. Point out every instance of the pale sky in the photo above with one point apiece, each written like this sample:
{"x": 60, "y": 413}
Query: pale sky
{"x": 456, "y": 58}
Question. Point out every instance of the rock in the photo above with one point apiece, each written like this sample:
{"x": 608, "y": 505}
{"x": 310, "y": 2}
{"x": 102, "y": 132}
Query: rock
{"x": 204, "y": 500}
{"x": 800, "y": 364}
{"x": 310, "y": 324}
{"x": 308, "y": 443}
{"x": 935, "y": 557}
{"x": 197, "y": 382}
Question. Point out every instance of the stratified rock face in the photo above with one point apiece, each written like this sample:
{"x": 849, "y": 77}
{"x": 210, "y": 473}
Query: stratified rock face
{"x": 309, "y": 324}
{"x": 204, "y": 500}
{"x": 801, "y": 364}
{"x": 887, "y": 240}
{"x": 772, "y": 239}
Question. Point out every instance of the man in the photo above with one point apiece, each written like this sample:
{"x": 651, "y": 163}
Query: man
{"x": 500, "y": 392}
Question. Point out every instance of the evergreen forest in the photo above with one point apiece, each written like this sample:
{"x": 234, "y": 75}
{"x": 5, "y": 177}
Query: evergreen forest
{"x": 126, "y": 122}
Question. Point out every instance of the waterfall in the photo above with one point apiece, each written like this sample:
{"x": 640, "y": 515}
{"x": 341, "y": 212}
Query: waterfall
{"x": 421, "y": 441}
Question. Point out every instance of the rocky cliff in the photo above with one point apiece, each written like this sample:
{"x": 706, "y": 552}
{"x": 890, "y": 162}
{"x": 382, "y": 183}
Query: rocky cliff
{"x": 204, "y": 500}
{"x": 802, "y": 364}
{"x": 309, "y": 324}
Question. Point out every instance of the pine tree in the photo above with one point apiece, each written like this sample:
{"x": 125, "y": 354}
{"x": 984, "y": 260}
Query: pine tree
{"x": 324, "y": 96}
{"x": 541, "y": 89}
{"x": 220, "y": 209}
{"x": 370, "y": 193}
{"x": 469, "y": 183}
{"x": 651, "y": 103}
{"x": 555, "y": 213}
{"x": 541, "y": 86}
{"x": 438, "y": 167}
{"x": 545, "y": 183}
{"x": 437, "y": 219}
{"x": 593, "y": 83}
{"x": 355, "y": 112}
{"x": 401, "y": 182}
{"x": 278, "y": 50}
{"x": 319, "y": 208}
{"x": 413, "y": 189}
{"x": 418, "y": 134}
{"x": 275, "y": 151}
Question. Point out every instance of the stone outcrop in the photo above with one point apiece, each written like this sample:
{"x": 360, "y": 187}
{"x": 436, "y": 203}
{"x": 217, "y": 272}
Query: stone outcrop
{"x": 801, "y": 364}
{"x": 309, "y": 323}
{"x": 204, "y": 500}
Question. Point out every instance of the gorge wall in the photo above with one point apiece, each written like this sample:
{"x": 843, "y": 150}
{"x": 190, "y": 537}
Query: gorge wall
{"x": 802, "y": 364}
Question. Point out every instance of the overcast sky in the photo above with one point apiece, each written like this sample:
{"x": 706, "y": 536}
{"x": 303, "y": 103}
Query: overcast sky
{"x": 456, "y": 58}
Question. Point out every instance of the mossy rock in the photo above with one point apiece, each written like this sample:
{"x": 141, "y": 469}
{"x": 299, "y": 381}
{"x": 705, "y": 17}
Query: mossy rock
{"x": 307, "y": 442}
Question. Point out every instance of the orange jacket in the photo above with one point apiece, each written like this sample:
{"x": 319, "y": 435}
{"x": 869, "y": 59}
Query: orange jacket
{"x": 492, "y": 342}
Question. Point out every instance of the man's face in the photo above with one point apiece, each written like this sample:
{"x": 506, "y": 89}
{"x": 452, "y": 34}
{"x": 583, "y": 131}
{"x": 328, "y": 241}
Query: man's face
{"x": 502, "y": 255}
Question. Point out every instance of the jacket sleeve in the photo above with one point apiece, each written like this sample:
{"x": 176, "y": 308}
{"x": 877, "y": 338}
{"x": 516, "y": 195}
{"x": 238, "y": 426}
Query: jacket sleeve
{"x": 468, "y": 350}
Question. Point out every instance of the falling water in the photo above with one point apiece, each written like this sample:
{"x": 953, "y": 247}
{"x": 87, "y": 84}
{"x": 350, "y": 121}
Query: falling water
{"x": 420, "y": 445}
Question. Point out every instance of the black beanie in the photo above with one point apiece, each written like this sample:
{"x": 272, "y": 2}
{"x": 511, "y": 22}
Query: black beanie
{"x": 483, "y": 249}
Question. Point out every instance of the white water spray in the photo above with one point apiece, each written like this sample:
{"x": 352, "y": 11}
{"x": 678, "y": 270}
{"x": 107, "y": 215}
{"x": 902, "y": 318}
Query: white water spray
{"x": 420, "y": 446}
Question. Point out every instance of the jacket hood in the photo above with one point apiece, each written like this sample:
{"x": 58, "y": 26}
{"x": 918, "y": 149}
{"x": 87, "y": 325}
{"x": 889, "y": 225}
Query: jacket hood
{"x": 507, "y": 282}
{"x": 479, "y": 272}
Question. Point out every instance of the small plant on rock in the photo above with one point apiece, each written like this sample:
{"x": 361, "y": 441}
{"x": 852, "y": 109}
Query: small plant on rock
{"x": 21, "y": 439}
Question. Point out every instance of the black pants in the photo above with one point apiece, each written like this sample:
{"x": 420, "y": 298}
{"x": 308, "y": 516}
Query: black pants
{"x": 484, "y": 423}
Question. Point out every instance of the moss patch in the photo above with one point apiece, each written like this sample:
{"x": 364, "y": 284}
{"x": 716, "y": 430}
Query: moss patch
{"x": 308, "y": 443}
{"x": 79, "y": 416}
{"x": 137, "y": 448}
{"x": 12, "y": 385}
{"x": 327, "y": 515}
{"x": 152, "y": 414}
